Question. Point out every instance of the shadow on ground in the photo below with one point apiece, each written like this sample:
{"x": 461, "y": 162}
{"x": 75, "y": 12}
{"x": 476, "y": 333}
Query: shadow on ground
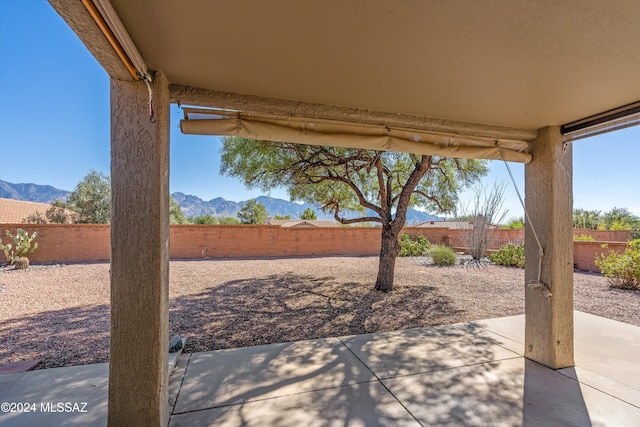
{"x": 291, "y": 307}
{"x": 73, "y": 336}
{"x": 239, "y": 313}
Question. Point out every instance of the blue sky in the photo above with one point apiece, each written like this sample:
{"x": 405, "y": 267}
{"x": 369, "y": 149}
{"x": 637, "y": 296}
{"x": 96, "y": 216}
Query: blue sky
{"x": 54, "y": 125}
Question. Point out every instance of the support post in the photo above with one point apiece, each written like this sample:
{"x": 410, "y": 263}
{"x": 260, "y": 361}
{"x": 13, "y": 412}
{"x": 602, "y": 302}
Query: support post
{"x": 549, "y": 201}
{"x": 138, "y": 378}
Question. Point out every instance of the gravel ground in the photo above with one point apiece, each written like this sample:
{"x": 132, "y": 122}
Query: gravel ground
{"x": 60, "y": 314}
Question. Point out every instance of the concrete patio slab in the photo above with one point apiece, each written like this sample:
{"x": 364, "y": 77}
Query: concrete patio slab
{"x": 494, "y": 338}
{"x": 508, "y": 393}
{"x": 607, "y": 352}
{"x": 225, "y": 377}
{"x": 463, "y": 374}
{"x": 45, "y": 389}
{"x": 413, "y": 351}
{"x": 367, "y": 404}
{"x": 608, "y": 348}
{"x": 604, "y": 384}
{"x": 511, "y": 327}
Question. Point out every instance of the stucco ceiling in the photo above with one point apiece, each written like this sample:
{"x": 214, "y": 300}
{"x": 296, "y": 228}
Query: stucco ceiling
{"x": 524, "y": 64}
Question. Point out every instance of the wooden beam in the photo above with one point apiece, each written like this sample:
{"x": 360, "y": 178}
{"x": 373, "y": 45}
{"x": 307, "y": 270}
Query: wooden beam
{"x": 80, "y": 21}
{"x": 138, "y": 378}
{"x": 257, "y": 104}
{"x": 549, "y": 201}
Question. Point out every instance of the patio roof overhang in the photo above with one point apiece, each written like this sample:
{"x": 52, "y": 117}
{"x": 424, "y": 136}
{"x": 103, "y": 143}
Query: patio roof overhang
{"x": 500, "y": 70}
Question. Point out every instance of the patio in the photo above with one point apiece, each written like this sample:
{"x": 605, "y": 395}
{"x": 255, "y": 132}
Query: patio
{"x": 471, "y": 374}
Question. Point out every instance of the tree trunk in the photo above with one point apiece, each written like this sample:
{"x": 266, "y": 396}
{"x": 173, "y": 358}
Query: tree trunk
{"x": 389, "y": 248}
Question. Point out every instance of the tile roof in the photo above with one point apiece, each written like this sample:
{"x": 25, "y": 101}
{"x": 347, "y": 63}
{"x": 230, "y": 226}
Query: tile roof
{"x": 301, "y": 223}
{"x": 14, "y": 211}
{"x": 454, "y": 225}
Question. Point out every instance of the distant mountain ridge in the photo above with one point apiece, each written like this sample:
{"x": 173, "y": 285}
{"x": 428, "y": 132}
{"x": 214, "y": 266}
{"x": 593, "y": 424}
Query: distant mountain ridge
{"x": 31, "y": 192}
{"x": 195, "y": 206}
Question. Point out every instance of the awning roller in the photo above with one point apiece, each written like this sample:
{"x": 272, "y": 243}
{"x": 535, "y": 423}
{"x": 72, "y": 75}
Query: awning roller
{"x": 336, "y": 133}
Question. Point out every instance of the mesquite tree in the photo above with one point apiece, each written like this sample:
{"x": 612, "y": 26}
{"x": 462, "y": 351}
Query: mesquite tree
{"x": 380, "y": 185}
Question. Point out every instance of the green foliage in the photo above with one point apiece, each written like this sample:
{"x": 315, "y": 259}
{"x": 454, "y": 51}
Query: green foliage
{"x": 586, "y": 219}
{"x": 91, "y": 199}
{"x": 228, "y": 220}
{"x": 635, "y": 235}
{"x": 205, "y": 219}
{"x": 443, "y": 255}
{"x": 620, "y": 219}
{"x": 22, "y": 246}
{"x": 584, "y": 238}
{"x": 215, "y": 220}
{"x": 176, "y": 216}
{"x": 252, "y": 212}
{"x": 309, "y": 215}
{"x": 342, "y": 179}
{"x": 413, "y": 247}
{"x": 515, "y": 223}
{"x": 35, "y": 218}
{"x": 615, "y": 219}
{"x": 509, "y": 255}
{"x": 58, "y": 214}
{"x": 622, "y": 270}
{"x": 282, "y": 217}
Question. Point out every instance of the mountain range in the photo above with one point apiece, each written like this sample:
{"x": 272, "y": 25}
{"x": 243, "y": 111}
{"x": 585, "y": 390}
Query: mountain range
{"x": 31, "y": 192}
{"x": 195, "y": 206}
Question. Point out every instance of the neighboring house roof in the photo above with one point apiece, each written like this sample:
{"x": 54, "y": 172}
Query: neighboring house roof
{"x": 301, "y": 223}
{"x": 454, "y": 225}
{"x": 14, "y": 211}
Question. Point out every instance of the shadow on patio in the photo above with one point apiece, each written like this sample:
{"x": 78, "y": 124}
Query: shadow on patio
{"x": 470, "y": 374}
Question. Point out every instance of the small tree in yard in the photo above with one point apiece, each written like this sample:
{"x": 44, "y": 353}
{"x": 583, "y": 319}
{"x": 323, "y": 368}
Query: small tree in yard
{"x": 485, "y": 212}
{"x": 253, "y": 212}
{"x": 176, "y": 216}
{"x": 381, "y": 186}
{"x": 309, "y": 215}
{"x": 91, "y": 199}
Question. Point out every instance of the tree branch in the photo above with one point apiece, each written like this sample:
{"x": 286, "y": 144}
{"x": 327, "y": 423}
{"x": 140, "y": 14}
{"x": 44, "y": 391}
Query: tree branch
{"x": 356, "y": 220}
{"x": 420, "y": 169}
{"x": 433, "y": 199}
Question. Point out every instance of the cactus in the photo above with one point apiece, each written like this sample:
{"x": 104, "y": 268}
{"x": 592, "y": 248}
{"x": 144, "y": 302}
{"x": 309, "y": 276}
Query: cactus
{"x": 22, "y": 263}
{"x": 24, "y": 245}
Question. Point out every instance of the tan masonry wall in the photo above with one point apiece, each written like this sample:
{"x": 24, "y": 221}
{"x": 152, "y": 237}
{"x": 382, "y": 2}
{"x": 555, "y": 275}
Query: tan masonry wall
{"x": 604, "y": 235}
{"x": 585, "y": 253}
{"x": 90, "y": 242}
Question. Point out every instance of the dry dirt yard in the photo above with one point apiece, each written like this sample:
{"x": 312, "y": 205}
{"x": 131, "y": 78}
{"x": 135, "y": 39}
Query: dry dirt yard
{"x": 60, "y": 314}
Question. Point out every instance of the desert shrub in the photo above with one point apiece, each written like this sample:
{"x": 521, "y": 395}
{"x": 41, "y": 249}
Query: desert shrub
{"x": 22, "y": 245}
{"x": 509, "y": 255}
{"x": 443, "y": 255}
{"x": 622, "y": 270}
{"x": 413, "y": 247}
{"x": 584, "y": 238}
{"x": 35, "y": 218}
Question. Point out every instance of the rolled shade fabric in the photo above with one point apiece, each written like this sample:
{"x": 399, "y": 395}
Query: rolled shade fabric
{"x": 309, "y": 131}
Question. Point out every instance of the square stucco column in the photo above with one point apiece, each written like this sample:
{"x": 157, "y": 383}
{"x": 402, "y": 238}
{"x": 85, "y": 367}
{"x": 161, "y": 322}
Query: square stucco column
{"x": 138, "y": 378}
{"x": 549, "y": 202}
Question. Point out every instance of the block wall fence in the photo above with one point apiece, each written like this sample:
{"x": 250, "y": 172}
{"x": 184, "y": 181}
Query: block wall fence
{"x": 91, "y": 242}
